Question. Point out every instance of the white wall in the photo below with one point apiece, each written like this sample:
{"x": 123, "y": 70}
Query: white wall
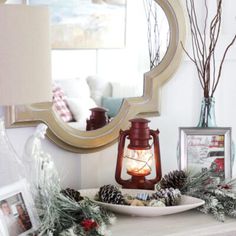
{"x": 181, "y": 98}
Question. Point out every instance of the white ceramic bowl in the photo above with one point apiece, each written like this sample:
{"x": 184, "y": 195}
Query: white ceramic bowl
{"x": 186, "y": 203}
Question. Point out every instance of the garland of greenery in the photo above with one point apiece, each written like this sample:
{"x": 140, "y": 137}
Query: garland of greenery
{"x": 65, "y": 212}
{"x": 63, "y": 216}
{"x": 219, "y": 195}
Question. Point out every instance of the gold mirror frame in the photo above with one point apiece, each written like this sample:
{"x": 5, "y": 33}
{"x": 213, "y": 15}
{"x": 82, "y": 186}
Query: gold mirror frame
{"x": 149, "y": 104}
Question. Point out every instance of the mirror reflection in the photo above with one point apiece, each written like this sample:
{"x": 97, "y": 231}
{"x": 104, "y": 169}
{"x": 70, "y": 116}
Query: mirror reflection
{"x": 104, "y": 77}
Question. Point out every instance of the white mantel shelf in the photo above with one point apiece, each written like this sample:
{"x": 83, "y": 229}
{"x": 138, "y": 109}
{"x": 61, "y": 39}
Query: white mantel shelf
{"x": 190, "y": 223}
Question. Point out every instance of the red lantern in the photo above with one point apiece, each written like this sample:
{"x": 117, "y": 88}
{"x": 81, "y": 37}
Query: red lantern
{"x": 138, "y": 155}
{"x": 97, "y": 119}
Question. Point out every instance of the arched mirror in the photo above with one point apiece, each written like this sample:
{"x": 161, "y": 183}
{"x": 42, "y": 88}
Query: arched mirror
{"x": 130, "y": 68}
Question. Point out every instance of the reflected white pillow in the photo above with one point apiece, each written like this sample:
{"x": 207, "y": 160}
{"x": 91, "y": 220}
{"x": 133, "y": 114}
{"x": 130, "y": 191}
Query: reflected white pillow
{"x": 80, "y": 108}
{"x": 75, "y": 88}
{"x": 99, "y": 88}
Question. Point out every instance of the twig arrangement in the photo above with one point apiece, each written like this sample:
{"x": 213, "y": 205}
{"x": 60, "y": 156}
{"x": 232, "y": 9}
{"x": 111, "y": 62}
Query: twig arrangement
{"x": 204, "y": 46}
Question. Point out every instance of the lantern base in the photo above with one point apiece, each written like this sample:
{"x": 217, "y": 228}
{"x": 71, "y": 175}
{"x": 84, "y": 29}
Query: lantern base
{"x": 138, "y": 182}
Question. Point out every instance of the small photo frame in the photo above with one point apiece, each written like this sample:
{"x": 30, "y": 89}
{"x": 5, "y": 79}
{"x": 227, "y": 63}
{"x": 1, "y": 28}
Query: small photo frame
{"x": 206, "y": 148}
{"x": 17, "y": 216}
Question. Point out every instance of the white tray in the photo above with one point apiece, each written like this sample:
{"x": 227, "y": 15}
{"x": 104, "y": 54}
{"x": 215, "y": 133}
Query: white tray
{"x": 186, "y": 203}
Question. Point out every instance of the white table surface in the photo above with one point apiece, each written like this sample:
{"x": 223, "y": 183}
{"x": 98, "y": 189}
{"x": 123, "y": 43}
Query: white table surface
{"x": 189, "y": 223}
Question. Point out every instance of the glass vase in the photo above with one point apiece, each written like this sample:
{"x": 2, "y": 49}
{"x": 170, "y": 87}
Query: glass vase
{"x": 40, "y": 169}
{"x": 11, "y": 167}
{"x": 207, "y": 115}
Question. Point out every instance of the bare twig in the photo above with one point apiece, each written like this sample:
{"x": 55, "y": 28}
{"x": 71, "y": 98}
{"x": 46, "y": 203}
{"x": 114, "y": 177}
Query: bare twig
{"x": 192, "y": 59}
{"x": 221, "y": 65}
{"x": 204, "y": 32}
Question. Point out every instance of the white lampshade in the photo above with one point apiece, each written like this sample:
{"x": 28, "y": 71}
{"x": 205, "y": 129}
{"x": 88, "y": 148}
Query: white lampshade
{"x": 25, "y": 57}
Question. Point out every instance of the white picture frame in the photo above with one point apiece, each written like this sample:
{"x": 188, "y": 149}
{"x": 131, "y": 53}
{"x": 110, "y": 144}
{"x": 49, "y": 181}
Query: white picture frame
{"x": 17, "y": 212}
{"x": 206, "y": 148}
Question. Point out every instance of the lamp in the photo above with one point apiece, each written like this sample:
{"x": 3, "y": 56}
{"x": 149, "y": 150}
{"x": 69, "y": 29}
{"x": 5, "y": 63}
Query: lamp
{"x": 25, "y": 71}
{"x": 25, "y": 67}
{"x": 138, "y": 155}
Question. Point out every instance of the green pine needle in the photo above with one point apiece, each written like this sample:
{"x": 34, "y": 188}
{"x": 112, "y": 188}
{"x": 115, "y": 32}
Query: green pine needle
{"x": 219, "y": 196}
{"x": 59, "y": 214}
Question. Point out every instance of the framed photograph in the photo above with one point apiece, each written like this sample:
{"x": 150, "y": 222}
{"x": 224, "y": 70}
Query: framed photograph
{"x": 206, "y": 148}
{"x": 17, "y": 216}
{"x": 86, "y": 24}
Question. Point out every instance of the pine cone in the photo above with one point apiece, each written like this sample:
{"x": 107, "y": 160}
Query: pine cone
{"x": 170, "y": 196}
{"x": 174, "y": 179}
{"x": 110, "y": 194}
{"x": 72, "y": 194}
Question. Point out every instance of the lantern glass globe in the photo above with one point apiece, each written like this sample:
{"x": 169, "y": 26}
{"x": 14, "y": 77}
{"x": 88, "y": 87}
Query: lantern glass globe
{"x": 138, "y": 162}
